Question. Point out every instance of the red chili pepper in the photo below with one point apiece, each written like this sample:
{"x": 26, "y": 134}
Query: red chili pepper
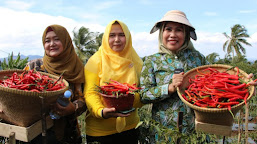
{"x": 234, "y": 99}
{"x": 29, "y": 81}
{"x": 116, "y": 88}
{"x": 216, "y": 89}
{"x": 245, "y": 98}
{"x": 229, "y": 109}
{"x": 35, "y": 90}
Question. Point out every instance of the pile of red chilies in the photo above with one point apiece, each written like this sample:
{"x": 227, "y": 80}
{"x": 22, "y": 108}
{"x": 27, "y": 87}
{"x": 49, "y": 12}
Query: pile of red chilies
{"x": 116, "y": 88}
{"x": 32, "y": 81}
{"x": 216, "y": 89}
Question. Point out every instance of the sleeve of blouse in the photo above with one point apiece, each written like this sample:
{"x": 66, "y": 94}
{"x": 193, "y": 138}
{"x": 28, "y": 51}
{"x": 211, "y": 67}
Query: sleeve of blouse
{"x": 151, "y": 92}
{"x": 93, "y": 100}
{"x": 79, "y": 102}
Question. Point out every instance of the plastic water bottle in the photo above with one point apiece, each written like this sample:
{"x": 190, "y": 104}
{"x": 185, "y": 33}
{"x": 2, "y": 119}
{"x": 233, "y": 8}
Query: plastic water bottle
{"x": 63, "y": 101}
{"x": 179, "y": 66}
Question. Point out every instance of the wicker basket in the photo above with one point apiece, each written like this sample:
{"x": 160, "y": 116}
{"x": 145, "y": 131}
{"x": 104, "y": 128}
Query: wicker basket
{"x": 23, "y": 108}
{"x": 217, "y": 116}
{"x": 120, "y": 103}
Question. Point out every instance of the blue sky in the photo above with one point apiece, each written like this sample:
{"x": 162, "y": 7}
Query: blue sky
{"x": 23, "y": 21}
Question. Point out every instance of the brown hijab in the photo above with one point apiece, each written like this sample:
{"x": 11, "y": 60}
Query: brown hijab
{"x": 68, "y": 61}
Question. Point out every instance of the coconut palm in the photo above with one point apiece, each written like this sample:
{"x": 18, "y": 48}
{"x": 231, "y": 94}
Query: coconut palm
{"x": 99, "y": 39}
{"x": 240, "y": 58}
{"x": 86, "y": 42}
{"x": 235, "y": 40}
{"x": 212, "y": 58}
{"x": 83, "y": 39}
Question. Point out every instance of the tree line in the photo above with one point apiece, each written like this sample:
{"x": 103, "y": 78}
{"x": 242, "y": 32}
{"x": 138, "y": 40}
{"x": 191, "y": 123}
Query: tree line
{"x": 87, "y": 43}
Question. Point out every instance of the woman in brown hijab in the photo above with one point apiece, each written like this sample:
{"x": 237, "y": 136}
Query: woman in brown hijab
{"x": 60, "y": 57}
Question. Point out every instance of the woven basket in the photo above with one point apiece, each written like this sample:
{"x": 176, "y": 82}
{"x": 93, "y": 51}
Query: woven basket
{"x": 218, "y": 116}
{"x": 120, "y": 103}
{"x": 23, "y": 108}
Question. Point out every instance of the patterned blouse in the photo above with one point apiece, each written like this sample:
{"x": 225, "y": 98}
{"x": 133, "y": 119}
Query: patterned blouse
{"x": 156, "y": 75}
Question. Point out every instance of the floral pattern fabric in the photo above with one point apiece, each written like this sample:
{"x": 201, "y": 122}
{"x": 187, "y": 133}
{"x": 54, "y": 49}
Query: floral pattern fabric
{"x": 156, "y": 75}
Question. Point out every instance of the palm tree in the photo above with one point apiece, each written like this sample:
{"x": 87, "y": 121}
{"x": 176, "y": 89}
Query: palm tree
{"x": 212, "y": 58}
{"x": 240, "y": 58}
{"x": 99, "y": 39}
{"x": 83, "y": 37}
{"x": 235, "y": 40}
{"x": 86, "y": 42}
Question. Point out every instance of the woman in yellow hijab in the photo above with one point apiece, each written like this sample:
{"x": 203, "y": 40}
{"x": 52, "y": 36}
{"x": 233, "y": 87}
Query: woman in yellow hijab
{"x": 116, "y": 59}
{"x": 60, "y": 57}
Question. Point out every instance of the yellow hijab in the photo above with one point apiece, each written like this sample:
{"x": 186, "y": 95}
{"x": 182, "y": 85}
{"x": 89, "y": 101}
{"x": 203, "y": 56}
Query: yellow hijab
{"x": 124, "y": 66}
{"x": 68, "y": 61}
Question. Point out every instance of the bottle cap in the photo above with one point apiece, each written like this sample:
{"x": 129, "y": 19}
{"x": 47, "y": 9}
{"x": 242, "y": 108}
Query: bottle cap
{"x": 67, "y": 94}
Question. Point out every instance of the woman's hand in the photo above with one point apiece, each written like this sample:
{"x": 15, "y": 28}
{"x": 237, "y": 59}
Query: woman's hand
{"x": 252, "y": 82}
{"x": 112, "y": 113}
{"x": 176, "y": 82}
{"x": 64, "y": 111}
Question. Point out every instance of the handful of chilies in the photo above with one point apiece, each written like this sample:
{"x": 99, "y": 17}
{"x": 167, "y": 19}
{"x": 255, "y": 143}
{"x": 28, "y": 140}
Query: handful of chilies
{"x": 116, "y": 88}
{"x": 32, "y": 81}
{"x": 215, "y": 89}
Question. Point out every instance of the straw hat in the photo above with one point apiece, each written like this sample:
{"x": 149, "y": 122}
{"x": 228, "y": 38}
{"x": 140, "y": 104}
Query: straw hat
{"x": 175, "y": 16}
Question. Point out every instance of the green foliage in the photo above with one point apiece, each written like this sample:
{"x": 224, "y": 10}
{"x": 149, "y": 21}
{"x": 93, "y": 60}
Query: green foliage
{"x": 82, "y": 126}
{"x": 235, "y": 40}
{"x": 212, "y": 58}
{"x": 86, "y": 42}
{"x": 150, "y": 126}
{"x": 12, "y": 63}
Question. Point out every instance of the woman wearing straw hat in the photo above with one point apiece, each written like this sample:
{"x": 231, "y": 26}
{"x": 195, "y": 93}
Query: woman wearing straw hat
{"x": 158, "y": 80}
{"x": 60, "y": 57}
{"x": 116, "y": 60}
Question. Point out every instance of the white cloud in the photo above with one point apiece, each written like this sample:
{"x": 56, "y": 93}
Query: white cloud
{"x": 21, "y": 31}
{"x": 210, "y": 37}
{"x": 253, "y": 38}
{"x": 208, "y": 43}
{"x": 145, "y": 43}
{"x": 247, "y": 11}
{"x": 90, "y": 16}
{"x": 18, "y": 5}
{"x": 251, "y": 50}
